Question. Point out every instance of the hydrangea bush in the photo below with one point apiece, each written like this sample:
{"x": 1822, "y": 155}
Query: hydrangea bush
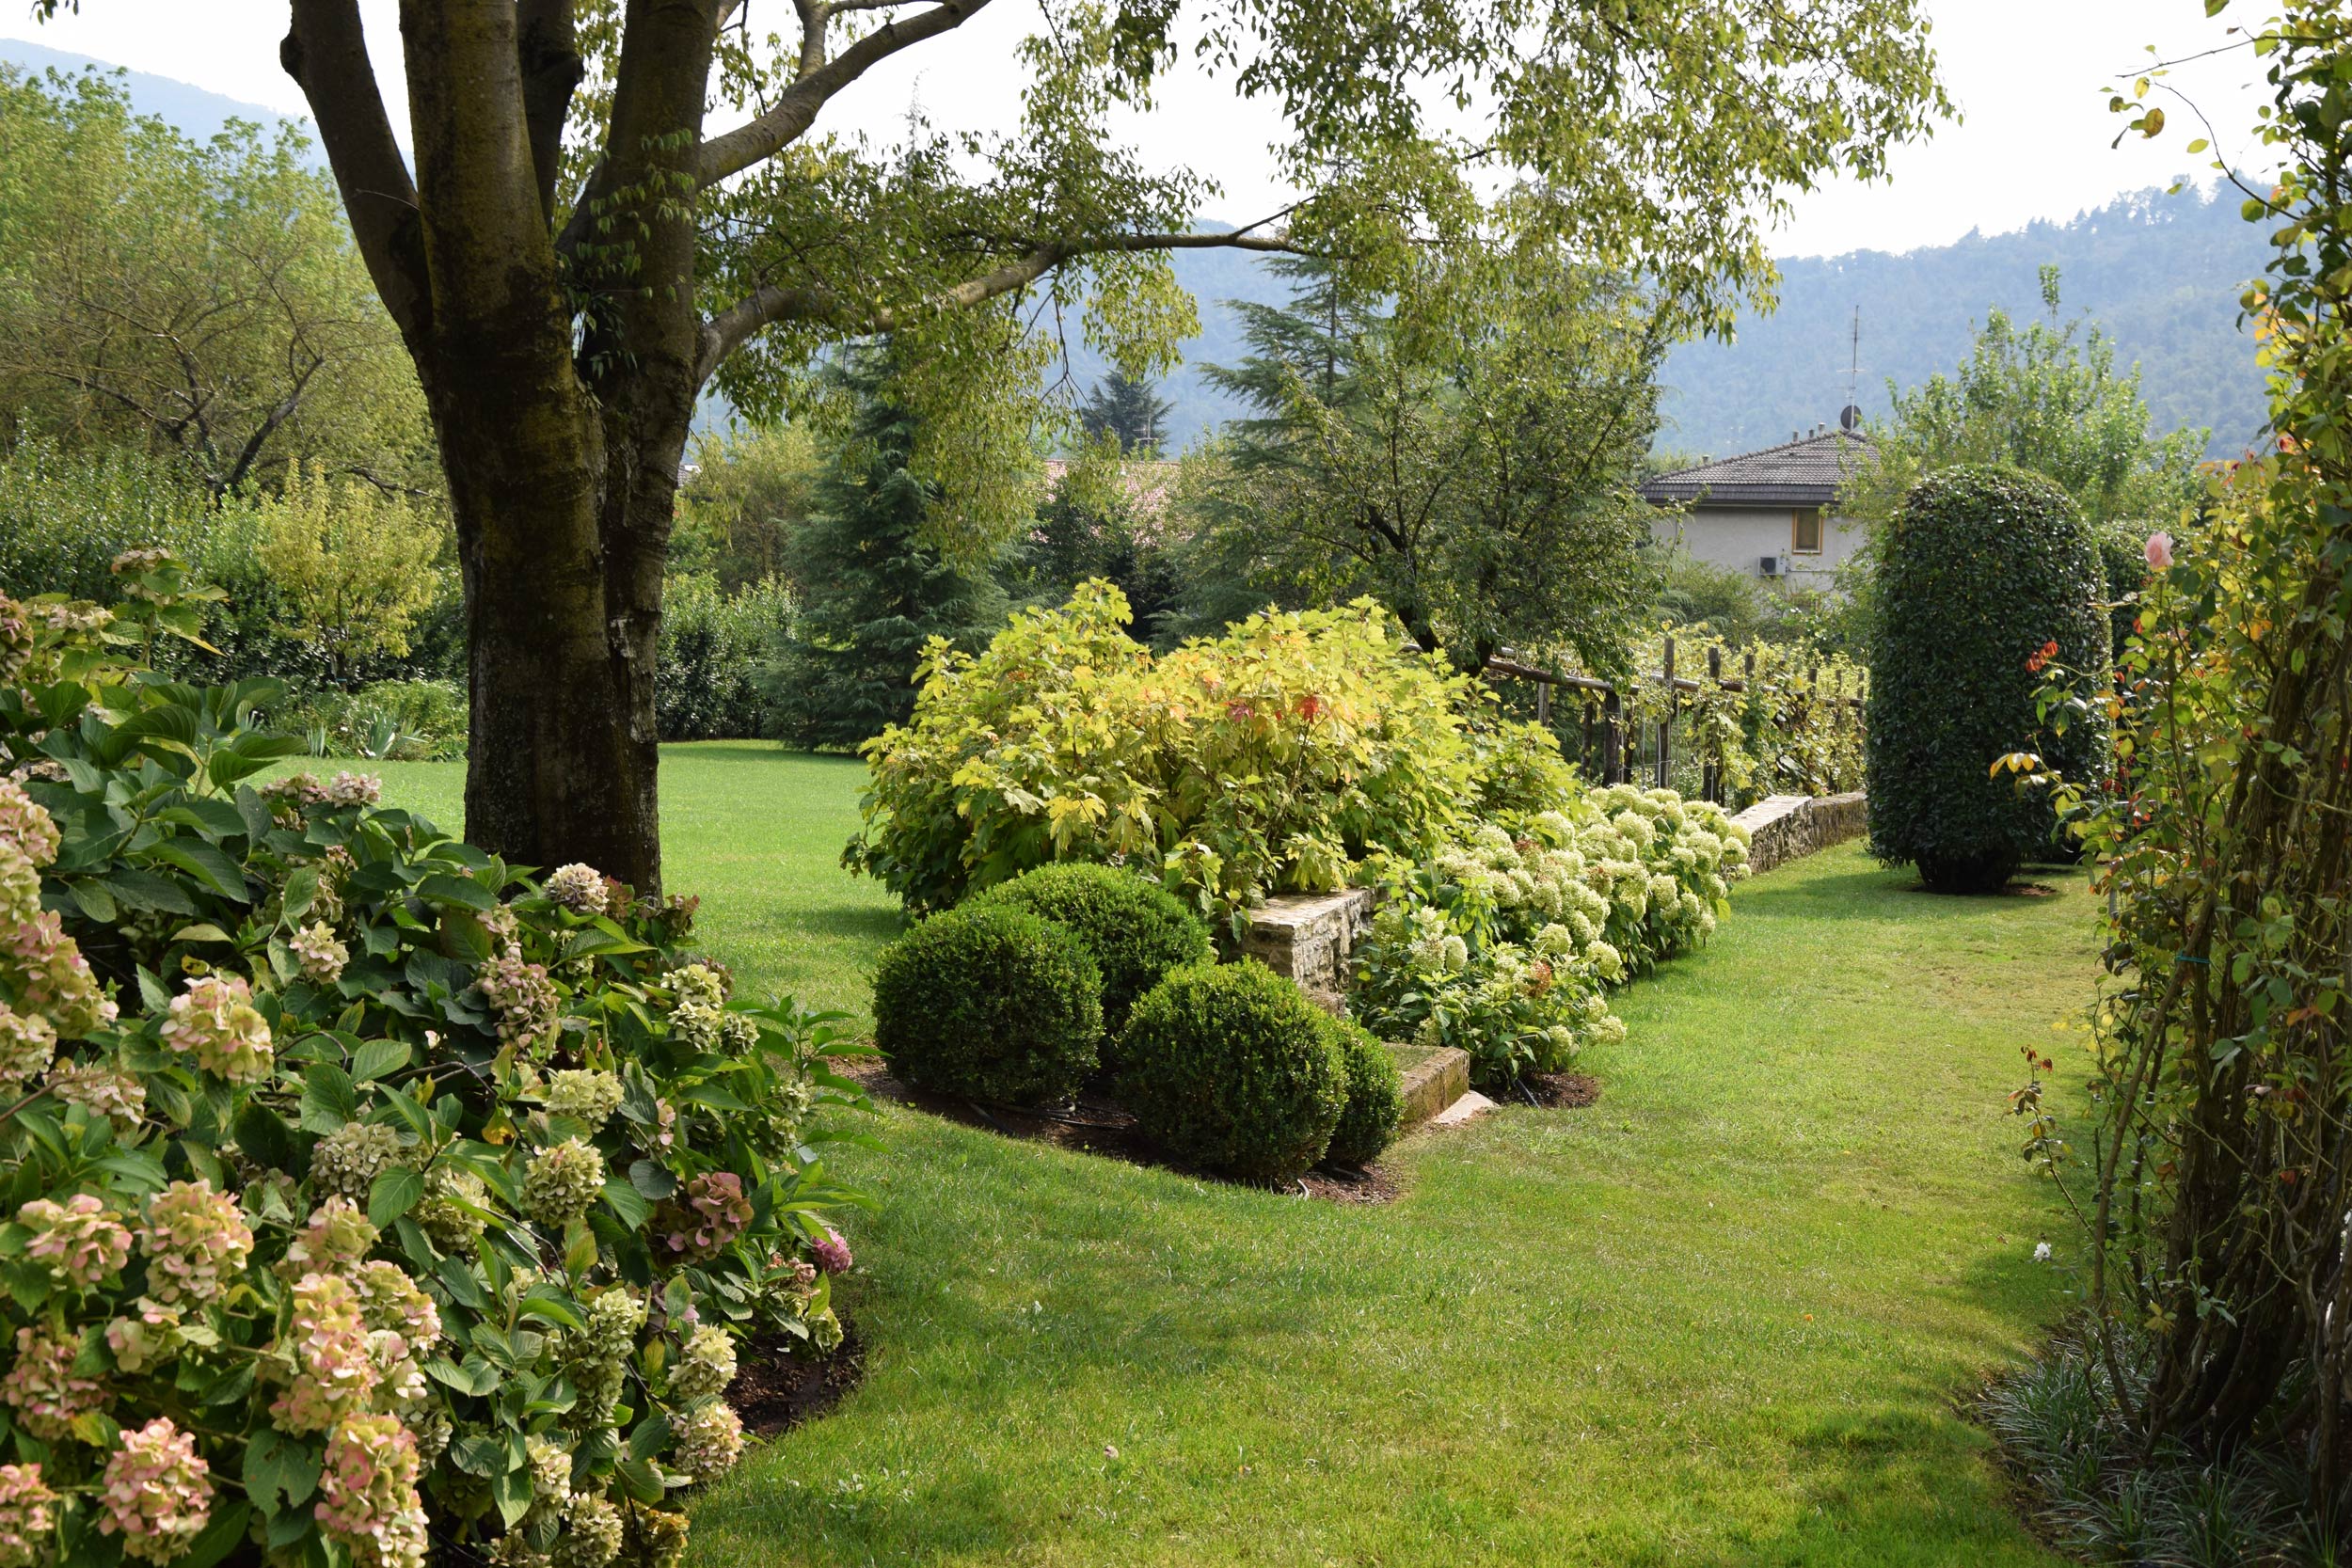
{"x": 1504, "y": 944}
{"x": 362, "y": 1195}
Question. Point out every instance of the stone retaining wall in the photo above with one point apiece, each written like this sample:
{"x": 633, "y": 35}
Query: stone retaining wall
{"x": 1308, "y": 935}
{"x": 1784, "y": 827}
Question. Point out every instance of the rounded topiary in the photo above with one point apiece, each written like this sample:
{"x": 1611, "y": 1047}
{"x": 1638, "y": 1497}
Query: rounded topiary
{"x": 990, "y": 1001}
{"x": 1375, "y": 1095}
{"x": 1981, "y": 571}
{"x": 1230, "y": 1065}
{"x": 1134, "y": 928}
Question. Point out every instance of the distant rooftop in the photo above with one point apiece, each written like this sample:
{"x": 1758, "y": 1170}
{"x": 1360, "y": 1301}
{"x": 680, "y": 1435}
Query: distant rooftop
{"x": 1803, "y": 471}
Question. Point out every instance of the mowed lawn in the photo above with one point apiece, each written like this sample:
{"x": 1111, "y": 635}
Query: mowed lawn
{"x": 755, "y": 831}
{"x": 1730, "y": 1315}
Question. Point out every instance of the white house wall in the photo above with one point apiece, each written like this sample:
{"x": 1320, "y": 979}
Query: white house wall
{"x": 1739, "y": 538}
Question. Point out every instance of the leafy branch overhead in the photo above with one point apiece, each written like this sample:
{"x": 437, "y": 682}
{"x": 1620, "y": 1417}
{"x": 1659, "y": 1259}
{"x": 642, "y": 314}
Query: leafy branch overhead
{"x": 1625, "y": 122}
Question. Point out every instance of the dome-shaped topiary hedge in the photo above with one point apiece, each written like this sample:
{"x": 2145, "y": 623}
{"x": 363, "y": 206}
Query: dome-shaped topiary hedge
{"x": 1375, "y": 1095}
{"x": 1979, "y": 573}
{"x": 1134, "y": 928}
{"x": 990, "y": 1002}
{"x": 1231, "y": 1067}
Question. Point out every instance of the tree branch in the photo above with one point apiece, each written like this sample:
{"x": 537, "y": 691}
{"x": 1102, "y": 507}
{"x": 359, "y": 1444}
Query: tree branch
{"x": 548, "y": 50}
{"x": 325, "y": 52}
{"x": 725, "y": 332}
{"x": 795, "y": 109}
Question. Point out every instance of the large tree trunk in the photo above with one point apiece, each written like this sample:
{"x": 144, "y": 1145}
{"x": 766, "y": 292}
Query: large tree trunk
{"x": 561, "y": 633}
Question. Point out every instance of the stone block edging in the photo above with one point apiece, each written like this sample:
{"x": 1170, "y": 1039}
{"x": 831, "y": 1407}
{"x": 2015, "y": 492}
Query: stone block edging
{"x": 1783, "y": 828}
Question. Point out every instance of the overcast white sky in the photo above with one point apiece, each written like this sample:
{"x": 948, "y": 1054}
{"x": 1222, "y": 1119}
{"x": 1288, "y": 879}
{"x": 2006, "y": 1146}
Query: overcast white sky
{"x": 2025, "y": 73}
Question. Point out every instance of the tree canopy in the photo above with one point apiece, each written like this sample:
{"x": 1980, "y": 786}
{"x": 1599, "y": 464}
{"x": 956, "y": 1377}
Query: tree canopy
{"x": 1473, "y": 466}
{"x": 614, "y": 207}
{"x": 198, "y": 300}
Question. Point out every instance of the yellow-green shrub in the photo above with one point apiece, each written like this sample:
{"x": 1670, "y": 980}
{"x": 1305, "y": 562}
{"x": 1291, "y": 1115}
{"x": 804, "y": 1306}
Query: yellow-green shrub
{"x": 1283, "y": 756}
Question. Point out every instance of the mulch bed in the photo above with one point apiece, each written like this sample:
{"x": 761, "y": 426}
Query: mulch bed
{"x": 1094, "y": 1123}
{"x": 780, "y": 1383}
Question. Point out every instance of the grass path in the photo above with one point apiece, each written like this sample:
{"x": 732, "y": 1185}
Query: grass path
{"x": 1723, "y": 1318}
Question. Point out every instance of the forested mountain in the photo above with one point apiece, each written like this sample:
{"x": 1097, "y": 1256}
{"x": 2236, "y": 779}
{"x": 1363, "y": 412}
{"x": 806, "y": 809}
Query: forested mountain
{"x": 190, "y": 110}
{"x": 2161, "y": 273}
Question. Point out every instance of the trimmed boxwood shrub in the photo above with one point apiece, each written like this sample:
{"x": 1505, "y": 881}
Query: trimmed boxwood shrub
{"x": 1134, "y": 930}
{"x": 1231, "y": 1067}
{"x": 1375, "y": 1095}
{"x": 990, "y": 1002}
{"x": 1981, "y": 570}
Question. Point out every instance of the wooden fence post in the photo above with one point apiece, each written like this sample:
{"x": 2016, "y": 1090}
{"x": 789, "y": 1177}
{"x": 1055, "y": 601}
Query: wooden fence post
{"x": 1585, "y": 755}
{"x": 1666, "y": 724}
{"x": 1711, "y": 749}
{"x": 1611, "y": 737}
{"x": 1543, "y": 704}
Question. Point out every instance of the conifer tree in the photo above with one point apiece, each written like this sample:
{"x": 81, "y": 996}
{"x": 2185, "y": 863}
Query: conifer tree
{"x": 875, "y": 592}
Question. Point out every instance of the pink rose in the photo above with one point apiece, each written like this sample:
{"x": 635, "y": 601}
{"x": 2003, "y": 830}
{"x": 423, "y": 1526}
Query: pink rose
{"x": 2160, "y": 552}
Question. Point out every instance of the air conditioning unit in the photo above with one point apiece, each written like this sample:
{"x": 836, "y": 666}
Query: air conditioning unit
{"x": 1770, "y": 566}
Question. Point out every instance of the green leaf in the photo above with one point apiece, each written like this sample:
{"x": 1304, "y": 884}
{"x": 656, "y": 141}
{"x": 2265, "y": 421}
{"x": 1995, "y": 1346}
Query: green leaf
{"x": 378, "y": 1057}
{"x": 280, "y": 1471}
{"x": 301, "y": 892}
{"x": 511, "y": 1491}
{"x": 139, "y": 889}
{"x": 204, "y": 931}
{"x": 328, "y": 1098}
{"x": 96, "y": 902}
{"x": 463, "y": 892}
{"x": 394, "y": 1194}
{"x": 224, "y": 1534}
{"x": 628, "y": 1202}
{"x": 207, "y": 863}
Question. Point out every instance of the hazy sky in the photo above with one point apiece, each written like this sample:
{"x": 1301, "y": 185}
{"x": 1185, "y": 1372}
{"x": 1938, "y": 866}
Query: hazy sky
{"x": 2025, "y": 73}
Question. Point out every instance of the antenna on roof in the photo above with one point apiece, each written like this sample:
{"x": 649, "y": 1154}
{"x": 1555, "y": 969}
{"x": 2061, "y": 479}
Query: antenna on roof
{"x": 1850, "y": 417}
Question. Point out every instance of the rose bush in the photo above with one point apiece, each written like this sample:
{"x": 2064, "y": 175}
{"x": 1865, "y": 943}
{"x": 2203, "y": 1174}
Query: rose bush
{"x": 362, "y": 1195}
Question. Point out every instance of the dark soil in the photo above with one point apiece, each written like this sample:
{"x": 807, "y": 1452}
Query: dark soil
{"x": 780, "y": 1381}
{"x": 1097, "y": 1124}
{"x": 1561, "y": 1091}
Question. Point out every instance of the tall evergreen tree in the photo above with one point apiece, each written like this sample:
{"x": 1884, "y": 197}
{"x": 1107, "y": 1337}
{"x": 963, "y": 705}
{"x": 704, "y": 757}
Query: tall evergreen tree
{"x": 1128, "y": 408}
{"x": 875, "y": 592}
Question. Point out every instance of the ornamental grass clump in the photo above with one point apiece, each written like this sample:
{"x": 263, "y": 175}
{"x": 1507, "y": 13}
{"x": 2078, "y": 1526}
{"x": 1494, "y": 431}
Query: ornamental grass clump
{"x": 990, "y": 1001}
{"x": 339, "y": 1156}
{"x": 1230, "y": 1067}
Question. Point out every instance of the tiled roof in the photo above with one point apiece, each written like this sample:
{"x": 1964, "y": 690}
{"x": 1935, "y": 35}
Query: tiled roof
{"x": 1802, "y": 472}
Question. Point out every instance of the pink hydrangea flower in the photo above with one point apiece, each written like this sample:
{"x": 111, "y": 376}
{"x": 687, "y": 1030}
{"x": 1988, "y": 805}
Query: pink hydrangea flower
{"x": 2160, "y": 552}
{"x": 522, "y": 996}
{"x": 44, "y": 1388}
{"x": 52, "y": 977}
{"x": 333, "y": 1371}
{"x": 157, "y": 1492}
{"x": 368, "y": 1493}
{"x": 196, "y": 1242}
{"x": 80, "y": 1241}
{"x": 319, "y": 955}
{"x": 333, "y": 1240}
{"x": 709, "y": 1214}
{"x": 28, "y": 1045}
{"x": 27, "y": 824}
{"x": 103, "y": 1091}
{"x": 577, "y": 888}
{"x": 214, "y": 1020}
{"x": 831, "y": 1252}
{"x": 26, "y": 1515}
{"x": 143, "y": 1339}
{"x": 389, "y": 1299}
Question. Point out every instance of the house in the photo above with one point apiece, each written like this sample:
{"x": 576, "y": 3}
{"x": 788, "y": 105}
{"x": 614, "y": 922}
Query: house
{"x": 1767, "y": 513}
